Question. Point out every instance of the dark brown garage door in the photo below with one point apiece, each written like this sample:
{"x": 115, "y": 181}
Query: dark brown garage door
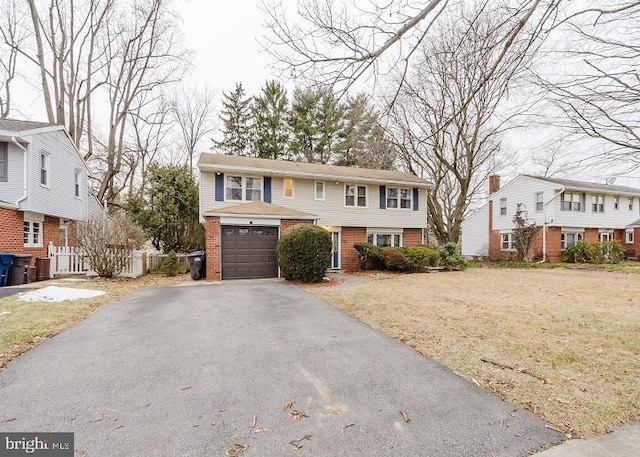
{"x": 249, "y": 252}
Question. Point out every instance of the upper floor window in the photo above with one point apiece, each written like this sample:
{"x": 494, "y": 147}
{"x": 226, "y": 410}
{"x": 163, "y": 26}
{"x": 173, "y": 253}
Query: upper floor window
{"x": 44, "y": 168}
{"x": 78, "y": 177}
{"x": 355, "y": 195}
{"x": 539, "y": 202}
{"x": 572, "y": 201}
{"x": 243, "y": 188}
{"x": 4, "y": 162}
{"x": 630, "y": 203}
{"x": 287, "y": 188}
{"x": 616, "y": 202}
{"x": 398, "y": 197}
{"x": 319, "y": 190}
{"x": 32, "y": 233}
{"x": 597, "y": 203}
{"x": 508, "y": 242}
{"x": 503, "y": 207}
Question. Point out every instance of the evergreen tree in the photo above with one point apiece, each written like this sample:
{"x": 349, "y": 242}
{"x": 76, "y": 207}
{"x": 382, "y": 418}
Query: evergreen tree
{"x": 317, "y": 126}
{"x": 236, "y": 118}
{"x": 270, "y": 128}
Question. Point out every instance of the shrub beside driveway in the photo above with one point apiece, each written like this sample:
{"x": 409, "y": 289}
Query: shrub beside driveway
{"x": 564, "y": 344}
{"x": 27, "y": 324}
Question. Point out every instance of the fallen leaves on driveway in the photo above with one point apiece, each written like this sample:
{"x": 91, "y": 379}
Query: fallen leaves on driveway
{"x": 404, "y": 415}
{"x": 298, "y": 443}
{"x": 295, "y": 413}
{"x": 236, "y": 450}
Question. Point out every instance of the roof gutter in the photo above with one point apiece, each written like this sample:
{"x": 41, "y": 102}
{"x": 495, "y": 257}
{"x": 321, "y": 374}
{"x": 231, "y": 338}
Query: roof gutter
{"x": 310, "y": 217}
{"x": 25, "y": 174}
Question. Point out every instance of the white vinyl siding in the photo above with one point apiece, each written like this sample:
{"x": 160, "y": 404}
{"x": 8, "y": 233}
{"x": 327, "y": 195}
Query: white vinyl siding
{"x": 331, "y": 211}
{"x": 475, "y": 233}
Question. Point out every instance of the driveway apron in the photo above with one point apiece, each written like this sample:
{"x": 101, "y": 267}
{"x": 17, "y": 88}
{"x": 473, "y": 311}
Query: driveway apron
{"x": 207, "y": 369}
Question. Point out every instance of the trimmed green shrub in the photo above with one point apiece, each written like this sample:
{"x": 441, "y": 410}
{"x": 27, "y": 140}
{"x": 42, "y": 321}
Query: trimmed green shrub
{"x": 421, "y": 257}
{"x": 169, "y": 265}
{"x": 304, "y": 253}
{"x": 370, "y": 256}
{"x": 598, "y": 252}
{"x": 394, "y": 259}
{"x": 450, "y": 257}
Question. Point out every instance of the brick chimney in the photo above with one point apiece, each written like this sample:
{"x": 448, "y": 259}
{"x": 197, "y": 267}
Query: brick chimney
{"x": 494, "y": 183}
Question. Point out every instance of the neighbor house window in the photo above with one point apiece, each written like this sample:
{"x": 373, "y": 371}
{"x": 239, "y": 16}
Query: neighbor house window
{"x": 287, "y": 188}
{"x": 539, "y": 201}
{"x": 568, "y": 239}
{"x": 32, "y": 233}
{"x": 385, "y": 239}
{"x": 4, "y": 162}
{"x": 629, "y": 236}
{"x": 597, "y": 203}
{"x": 572, "y": 201}
{"x": 44, "y": 169}
{"x": 398, "y": 197}
{"x": 630, "y": 203}
{"x": 616, "y": 202}
{"x": 355, "y": 195}
{"x": 508, "y": 242}
{"x": 503, "y": 207}
{"x": 243, "y": 188}
{"x": 319, "y": 190}
{"x": 78, "y": 177}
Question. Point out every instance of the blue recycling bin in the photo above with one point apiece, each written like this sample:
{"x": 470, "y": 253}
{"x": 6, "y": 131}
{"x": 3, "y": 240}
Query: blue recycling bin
{"x": 6, "y": 260}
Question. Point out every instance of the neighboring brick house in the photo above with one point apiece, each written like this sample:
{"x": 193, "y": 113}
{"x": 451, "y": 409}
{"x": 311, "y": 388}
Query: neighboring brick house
{"x": 567, "y": 211}
{"x": 246, "y": 203}
{"x": 43, "y": 187}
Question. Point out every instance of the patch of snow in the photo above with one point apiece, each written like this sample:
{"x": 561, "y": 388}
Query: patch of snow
{"x": 58, "y": 294}
{"x": 73, "y": 280}
{"x": 4, "y": 313}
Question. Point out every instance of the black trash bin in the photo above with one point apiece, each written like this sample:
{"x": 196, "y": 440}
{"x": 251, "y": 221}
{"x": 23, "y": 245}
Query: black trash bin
{"x": 6, "y": 260}
{"x": 20, "y": 270}
{"x": 197, "y": 264}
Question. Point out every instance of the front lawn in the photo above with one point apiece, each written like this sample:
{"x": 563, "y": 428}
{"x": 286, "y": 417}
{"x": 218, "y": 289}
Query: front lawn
{"x": 564, "y": 344}
{"x": 24, "y": 325}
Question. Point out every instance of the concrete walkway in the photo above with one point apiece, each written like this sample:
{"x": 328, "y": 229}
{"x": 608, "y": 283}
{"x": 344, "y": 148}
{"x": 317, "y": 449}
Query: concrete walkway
{"x": 624, "y": 442}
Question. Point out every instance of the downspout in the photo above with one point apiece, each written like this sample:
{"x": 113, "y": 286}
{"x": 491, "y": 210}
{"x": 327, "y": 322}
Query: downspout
{"x": 544, "y": 225}
{"x": 25, "y": 174}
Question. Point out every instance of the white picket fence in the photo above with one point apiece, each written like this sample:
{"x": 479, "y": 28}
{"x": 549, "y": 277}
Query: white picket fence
{"x": 71, "y": 260}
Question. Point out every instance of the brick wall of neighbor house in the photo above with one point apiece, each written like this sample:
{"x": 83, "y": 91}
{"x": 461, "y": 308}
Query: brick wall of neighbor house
{"x": 411, "y": 237}
{"x": 288, "y": 223}
{"x": 212, "y": 247}
{"x": 554, "y": 244}
{"x": 12, "y": 238}
{"x": 636, "y": 241}
{"x": 72, "y": 233}
{"x": 349, "y": 256}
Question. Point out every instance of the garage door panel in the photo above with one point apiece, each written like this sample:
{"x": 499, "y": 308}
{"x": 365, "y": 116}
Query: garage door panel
{"x": 249, "y": 252}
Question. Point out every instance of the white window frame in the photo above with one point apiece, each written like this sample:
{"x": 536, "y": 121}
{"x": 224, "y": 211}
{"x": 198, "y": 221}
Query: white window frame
{"x": 629, "y": 237}
{"x": 284, "y": 188}
{"x": 616, "y": 202}
{"x": 29, "y": 234}
{"x": 539, "y": 202}
{"x": 509, "y": 242}
{"x": 575, "y": 203}
{"x": 630, "y": 202}
{"x": 396, "y": 238}
{"x": 315, "y": 190}
{"x": 4, "y": 159}
{"x": 45, "y": 169}
{"x": 243, "y": 188}
{"x": 398, "y": 199}
{"x": 577, "y": 236}
{"x": 77, "y": 188}
{"x": 356, "y": 188}
{"x": 597, "y": 203}
{"x": 503, "y": 206}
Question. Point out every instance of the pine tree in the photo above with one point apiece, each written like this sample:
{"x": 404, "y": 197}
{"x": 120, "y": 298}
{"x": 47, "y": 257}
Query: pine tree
{"x": 270, "y": 128}
{"x": 317, "y": 126}
{"x": 237, "y": 119}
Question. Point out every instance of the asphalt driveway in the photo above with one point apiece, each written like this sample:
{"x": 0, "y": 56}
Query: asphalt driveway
{"x": 193, "y": 371}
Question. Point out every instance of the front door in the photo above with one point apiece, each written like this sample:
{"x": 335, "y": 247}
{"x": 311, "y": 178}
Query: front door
{"x": 335, "y": 250}
{"x": 605, "y": 236}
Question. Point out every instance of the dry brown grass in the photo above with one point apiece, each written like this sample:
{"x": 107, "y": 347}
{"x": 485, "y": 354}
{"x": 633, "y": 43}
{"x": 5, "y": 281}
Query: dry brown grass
{"x": 568, "y": 341}
{"x": 30, "y": 323}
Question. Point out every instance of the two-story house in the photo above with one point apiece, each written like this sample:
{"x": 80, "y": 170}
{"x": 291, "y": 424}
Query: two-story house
{"x": 566, "y": 210}
{"x": 247, "y": 202}
{"x": 43, "y": 187}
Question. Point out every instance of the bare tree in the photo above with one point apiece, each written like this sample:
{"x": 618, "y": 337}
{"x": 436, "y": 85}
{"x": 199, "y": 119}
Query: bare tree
{"x": 13, "y": 34}
{"x": 448, "y": 119}
{"x": 192, "y": 110}
{"x": 600, "y": 98}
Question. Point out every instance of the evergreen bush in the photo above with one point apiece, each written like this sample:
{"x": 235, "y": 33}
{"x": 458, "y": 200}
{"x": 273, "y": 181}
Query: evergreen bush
{"x": 304, "y": 253}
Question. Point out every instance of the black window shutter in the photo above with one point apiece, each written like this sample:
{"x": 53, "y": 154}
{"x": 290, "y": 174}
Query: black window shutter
{"x": 383, "y": 197}
{"x": 220, "y": 187}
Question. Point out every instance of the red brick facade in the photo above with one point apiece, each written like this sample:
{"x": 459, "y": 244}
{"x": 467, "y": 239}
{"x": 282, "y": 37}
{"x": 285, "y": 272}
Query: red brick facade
{"x": 349, "y": 260}
{"x": 12, "y": 238}
{"x": 286, "y": 224}
{"x": 212, "y": 246}
{"x": 411, "y": 237}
